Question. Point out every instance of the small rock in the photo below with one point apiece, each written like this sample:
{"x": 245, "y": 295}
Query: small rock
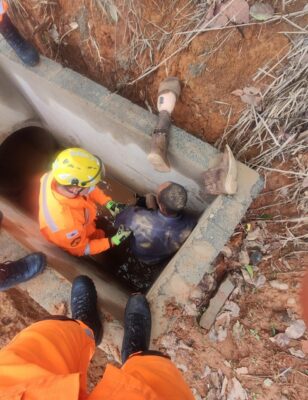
{"x": 296, "y": 353}
{"x": 296, "y": 330}
{"x": 291, "y": 302}
{"x": 242, "y": 371}
{"x": 233, "y": 308}
{"x": 279, "y": 285}
{"x": 267, "y": 383}
{"x": 216, "y": 304}
{"x": 243, "y": 258}
{"x": 237, "y": 392}
{"x": 282, "y": 340}
{"x": 255, "y": 257}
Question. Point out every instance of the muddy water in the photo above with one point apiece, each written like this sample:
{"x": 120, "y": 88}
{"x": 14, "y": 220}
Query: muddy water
{"x": 24, "y": 157}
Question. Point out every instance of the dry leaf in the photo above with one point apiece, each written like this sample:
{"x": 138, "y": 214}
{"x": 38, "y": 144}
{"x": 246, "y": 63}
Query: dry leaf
{"x": 296, "y": 353}
{"x": 243, "y": 258}
{"x": 261, "y": 11}
{"x": 282, "y": 340}
{"x": 237, "y": 392}
{"x": 236, "y": 11}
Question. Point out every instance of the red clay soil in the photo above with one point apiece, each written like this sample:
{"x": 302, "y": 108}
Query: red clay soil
{"x": 214, "y": 64}
{"x": 210, "y": 68}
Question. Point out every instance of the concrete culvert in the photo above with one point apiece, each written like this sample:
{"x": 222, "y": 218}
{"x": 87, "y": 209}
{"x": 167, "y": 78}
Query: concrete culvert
{"x": 80, "y": 113}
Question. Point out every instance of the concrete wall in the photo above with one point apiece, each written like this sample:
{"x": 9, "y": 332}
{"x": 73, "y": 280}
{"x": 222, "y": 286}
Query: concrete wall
{"x": 79, "y": 112}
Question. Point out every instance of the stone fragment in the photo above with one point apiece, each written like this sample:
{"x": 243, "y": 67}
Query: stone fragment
{"x": 216, "y": 304}
{"x": 233, "y": 308}
{"x": 296, "y": 330}
{"x": 279, "y": 285}
{"x": 242, "y": 371}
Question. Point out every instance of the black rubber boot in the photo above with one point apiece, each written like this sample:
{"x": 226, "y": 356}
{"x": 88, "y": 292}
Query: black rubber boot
{"x": 137, "y": 326}
{"x": 14, "y": 272}
{"x": 84, "y": 305}
{"x": 25, "y": 51}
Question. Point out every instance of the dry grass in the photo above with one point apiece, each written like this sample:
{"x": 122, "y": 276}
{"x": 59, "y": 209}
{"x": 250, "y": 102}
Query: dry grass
{"x": 274, "y": 139}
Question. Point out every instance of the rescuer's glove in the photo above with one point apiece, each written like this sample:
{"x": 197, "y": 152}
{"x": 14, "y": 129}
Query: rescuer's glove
{"x": 120, "y": 236}
{"x": 115, "y": 208}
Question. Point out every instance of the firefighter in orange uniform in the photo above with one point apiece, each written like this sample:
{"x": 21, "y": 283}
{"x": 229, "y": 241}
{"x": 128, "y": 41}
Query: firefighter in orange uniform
{"x": 49, "y": 359}
{"x": 68, "y": 204}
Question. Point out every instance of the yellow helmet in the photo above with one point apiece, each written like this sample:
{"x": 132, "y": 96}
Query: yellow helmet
{"x": 78, "y": 167}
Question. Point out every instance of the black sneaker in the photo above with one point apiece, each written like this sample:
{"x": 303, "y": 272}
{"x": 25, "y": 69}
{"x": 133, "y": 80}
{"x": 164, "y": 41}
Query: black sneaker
{"x": 14, "y": 272}
{"x": 84, "y": 305}
{"x": 25, "y": 51}
{"x": 137, "y": 326}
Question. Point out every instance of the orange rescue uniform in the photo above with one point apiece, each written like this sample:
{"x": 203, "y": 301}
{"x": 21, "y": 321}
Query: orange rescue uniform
{"x": 3, "y": 8}
{"x": 49, "y": 361}
{"x": 70, "y": 223}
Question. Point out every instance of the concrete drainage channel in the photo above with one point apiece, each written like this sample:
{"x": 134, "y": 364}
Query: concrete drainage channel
{"x": 71, "y": 110}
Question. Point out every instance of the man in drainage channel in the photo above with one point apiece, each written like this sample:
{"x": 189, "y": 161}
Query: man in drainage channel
{"x": 68, "y": 204}
{"x": 50, "y": 358}
{"x": 160, "y": 226}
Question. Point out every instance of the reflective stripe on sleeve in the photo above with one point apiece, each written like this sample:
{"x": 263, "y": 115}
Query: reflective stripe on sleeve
{"x": 87, "y": 250}
{"x": 70, "y": 235}
{"x": 48, "y": 218}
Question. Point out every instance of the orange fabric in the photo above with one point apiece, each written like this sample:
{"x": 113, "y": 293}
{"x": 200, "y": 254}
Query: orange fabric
{"x": 3, "y": 8}
{"x": 73, "y": 220}
{"x": 49, "y": 361}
